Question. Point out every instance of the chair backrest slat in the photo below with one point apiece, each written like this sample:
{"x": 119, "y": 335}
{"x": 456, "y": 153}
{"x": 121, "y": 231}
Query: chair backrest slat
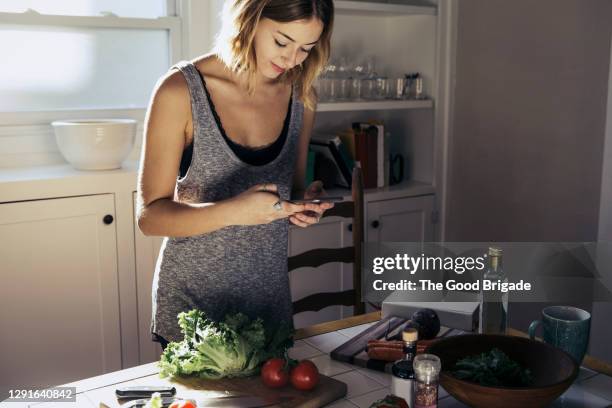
{"x": 320, "y": 256}
{"x": 319, "y": 301}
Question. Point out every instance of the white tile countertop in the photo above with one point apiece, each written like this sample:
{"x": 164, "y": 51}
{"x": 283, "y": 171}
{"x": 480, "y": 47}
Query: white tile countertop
{"x": 591, "y": 390}
{"x": 364, "y": 386}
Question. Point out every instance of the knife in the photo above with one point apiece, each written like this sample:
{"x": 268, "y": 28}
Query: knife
{"x": 144, "y": 391}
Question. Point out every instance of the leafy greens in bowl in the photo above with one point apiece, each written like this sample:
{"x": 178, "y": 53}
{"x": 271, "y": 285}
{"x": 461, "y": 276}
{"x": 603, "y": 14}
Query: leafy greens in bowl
{"x": 493, "y": 368}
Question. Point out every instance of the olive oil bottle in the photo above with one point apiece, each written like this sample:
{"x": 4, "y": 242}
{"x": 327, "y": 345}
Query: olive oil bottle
{"x": 493, "y": 302}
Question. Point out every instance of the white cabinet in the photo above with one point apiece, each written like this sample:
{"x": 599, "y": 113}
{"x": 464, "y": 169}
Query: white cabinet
{"x": 60, "y": 298}
{"x": 147, "y": 251}
{"x": 331, "y": 232}
{"x": 400, "y": 220}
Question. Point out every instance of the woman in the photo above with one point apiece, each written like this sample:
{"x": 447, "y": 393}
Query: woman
{"x": 235, "y": 126}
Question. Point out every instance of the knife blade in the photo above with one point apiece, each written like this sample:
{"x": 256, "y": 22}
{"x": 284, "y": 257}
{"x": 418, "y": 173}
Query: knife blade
{"x": 238, "y": 401}
{"x": 144, "y": 391}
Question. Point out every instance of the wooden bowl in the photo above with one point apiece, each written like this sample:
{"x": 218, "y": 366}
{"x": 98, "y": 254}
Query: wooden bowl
{"x": 553, "y": 370}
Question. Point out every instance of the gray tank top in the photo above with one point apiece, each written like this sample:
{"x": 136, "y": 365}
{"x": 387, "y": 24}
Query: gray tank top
{"x": 237, "y": 268}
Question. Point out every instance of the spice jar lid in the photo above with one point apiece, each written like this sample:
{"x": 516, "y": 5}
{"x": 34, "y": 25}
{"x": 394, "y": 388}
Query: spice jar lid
{"x": 410, "y": 334}
{"x": 426, "y": 367}
{"x": 494, "y": 251}
{"x": 403, "y": 369}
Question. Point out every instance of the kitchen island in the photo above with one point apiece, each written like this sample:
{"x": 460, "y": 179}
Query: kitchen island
{"x": 592, "y": 389}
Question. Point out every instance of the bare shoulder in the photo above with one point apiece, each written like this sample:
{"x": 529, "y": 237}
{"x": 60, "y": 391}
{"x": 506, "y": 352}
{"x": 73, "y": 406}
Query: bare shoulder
{"x": 169, "y": 113}
{"x": 173, "y": 88}
{"x": 170, "y": 107}
{"x": 211, "y": 66}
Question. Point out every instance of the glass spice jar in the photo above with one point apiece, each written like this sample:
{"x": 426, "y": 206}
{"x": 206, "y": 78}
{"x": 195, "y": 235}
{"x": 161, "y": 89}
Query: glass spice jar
{"x": 427, "y": 372}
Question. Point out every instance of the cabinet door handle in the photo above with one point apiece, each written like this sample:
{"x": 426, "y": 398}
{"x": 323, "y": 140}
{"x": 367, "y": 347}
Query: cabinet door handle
{"x": 350, "y": 227}
{"x": 108, "y": 219}
{"x": 375, "y": 224}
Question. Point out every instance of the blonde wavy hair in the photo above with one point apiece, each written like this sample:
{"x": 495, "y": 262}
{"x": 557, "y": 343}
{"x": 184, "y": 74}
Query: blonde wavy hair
{"x": 234, "y": 43}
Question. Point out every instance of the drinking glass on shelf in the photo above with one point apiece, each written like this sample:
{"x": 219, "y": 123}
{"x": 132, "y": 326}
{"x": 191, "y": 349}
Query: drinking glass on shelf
{"x": 354, "y": 88}
{"x": 369, "y": 82}
{"x": 414, "y": 86}
{"x": 369, "y": 67}
{"x": 397, "y": 88}
{"x": 359, "y": 69}
{"x": 382, "y": 87}
{"x": 368, "y": 88}
{"x": 357, "y": 80}
{"x": 418, "y": 85}
{"x": 343, "y": 79}
{"x": 330, "y": 89}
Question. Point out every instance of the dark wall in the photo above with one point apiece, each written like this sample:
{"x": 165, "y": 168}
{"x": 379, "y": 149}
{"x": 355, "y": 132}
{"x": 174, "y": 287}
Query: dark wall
{"x": 529, "y": 125}
{"x": 530, "y": 109}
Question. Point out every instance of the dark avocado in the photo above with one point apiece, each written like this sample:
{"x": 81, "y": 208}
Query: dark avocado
{"x": 428, "y": 323}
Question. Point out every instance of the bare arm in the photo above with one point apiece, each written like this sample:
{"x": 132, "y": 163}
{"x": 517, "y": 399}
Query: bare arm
{"x": 163, "y": 144}
{"x": 164, "y": 141}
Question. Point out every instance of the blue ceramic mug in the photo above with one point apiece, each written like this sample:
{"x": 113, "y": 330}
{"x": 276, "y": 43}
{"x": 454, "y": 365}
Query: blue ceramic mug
{"x": 565, "y": 327}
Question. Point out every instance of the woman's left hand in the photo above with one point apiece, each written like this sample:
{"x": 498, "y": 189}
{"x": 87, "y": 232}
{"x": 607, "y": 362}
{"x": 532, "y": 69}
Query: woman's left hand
{"x": 313, "y": 212}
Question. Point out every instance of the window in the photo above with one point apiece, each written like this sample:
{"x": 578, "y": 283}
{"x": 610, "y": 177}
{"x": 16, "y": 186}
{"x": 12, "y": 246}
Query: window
{"x": 132, "y": 8}
{"x": 65, "y": 55}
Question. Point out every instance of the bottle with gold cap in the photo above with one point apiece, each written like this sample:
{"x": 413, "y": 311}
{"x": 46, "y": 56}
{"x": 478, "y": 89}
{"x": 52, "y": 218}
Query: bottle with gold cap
{"x": 493, "y": 302}
{"x": 402, "y": 382}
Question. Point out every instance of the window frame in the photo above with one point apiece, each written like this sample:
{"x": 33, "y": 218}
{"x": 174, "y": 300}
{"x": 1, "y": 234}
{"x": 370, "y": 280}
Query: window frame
{"x": 170, "y": 23}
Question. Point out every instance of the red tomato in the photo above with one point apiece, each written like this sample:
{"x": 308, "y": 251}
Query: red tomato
{"x": 305, "y": 375}
{"x": 182, "y": 404}
{"x": 274, "y": 373}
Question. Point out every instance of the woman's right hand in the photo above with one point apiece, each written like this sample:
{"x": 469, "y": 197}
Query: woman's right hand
{"x": 257, "y": 206}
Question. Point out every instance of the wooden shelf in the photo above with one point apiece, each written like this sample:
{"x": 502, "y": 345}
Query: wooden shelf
{"x": 369, "y": 8}
{"x": 374, "y": 105}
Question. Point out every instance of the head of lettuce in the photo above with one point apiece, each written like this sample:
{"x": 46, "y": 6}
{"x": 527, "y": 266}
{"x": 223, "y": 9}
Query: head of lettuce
{"x": 234, "y": 347}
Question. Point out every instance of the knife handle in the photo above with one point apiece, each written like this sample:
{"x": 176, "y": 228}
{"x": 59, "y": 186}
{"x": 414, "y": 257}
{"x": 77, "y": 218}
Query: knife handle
{"x": 143, "y": 391}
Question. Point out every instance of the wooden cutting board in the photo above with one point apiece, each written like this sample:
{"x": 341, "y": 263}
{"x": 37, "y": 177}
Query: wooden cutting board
{"x": 326, "y": 391}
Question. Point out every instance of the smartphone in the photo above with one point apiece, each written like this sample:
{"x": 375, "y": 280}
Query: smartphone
{"x": 318, "y": 200}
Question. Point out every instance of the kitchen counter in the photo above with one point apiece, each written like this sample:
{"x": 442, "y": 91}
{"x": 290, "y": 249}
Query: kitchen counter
{"x": 62, "y": 180}
{"x": 592, "y": 389}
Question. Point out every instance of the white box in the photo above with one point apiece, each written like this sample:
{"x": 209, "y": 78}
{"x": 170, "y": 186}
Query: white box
{"x": 457, "y": 310}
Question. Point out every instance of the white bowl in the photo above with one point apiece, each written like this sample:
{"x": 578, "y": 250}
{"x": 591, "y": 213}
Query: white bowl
{"x": 95, "y": 144}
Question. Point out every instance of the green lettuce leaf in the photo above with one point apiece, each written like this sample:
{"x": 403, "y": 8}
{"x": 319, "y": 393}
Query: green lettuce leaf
{"x": 234, "y": 347}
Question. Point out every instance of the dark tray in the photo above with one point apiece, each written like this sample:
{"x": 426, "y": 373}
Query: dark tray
{"x": 388, "y": 328}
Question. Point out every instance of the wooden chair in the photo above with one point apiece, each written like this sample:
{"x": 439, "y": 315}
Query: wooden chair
{"x": 353, "y": 254}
